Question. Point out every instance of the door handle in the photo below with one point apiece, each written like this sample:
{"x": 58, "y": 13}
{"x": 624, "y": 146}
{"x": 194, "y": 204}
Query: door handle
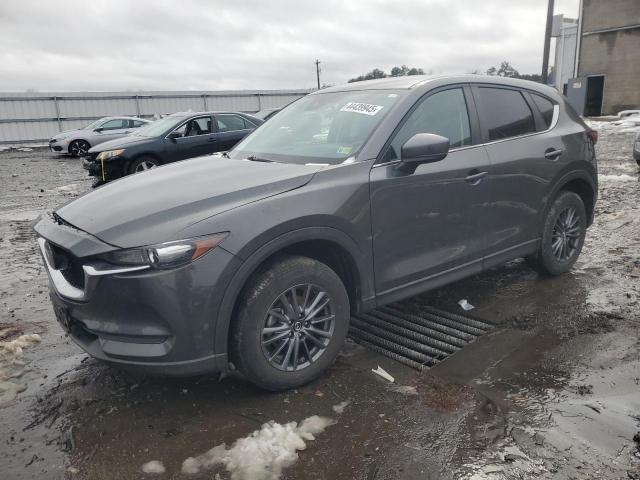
{"x": 475, "y": 177}
{"x": 212, "y": 139}
{"x": 552, "y": 154}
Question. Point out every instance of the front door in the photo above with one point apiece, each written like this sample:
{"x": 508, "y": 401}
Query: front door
{"x": 197, "y": 138}
{"x": 426, "y": 225}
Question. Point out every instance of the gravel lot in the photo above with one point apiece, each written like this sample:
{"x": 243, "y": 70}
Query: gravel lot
{"x": 552, "y": 392}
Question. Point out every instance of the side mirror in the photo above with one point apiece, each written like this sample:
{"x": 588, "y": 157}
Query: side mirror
{"x": 173, "y": 136}
{"x": 98, "y": 130}
{"x": 423, "y": 148}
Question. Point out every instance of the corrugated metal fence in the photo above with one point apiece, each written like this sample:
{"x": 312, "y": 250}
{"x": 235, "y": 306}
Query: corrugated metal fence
{"x": 35, "y": 117}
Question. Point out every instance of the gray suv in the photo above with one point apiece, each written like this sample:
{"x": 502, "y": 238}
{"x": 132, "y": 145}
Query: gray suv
{"x": 350, "y": 198}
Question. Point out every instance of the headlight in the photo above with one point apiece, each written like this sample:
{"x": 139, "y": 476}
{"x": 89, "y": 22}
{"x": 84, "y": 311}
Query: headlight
{"x": 106, "y": 155}
{"x": 166, "y": 255}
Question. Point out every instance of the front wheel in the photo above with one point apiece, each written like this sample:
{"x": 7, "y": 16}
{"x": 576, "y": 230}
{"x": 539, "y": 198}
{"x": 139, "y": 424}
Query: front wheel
{"x": 142, "y": 164}
{"x": 79, "y": 148}
{"x": 562, "y": 237}
{"x": 292, "y": 321}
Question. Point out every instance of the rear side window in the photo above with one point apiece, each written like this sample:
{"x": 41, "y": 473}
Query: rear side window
{"x": 545, "y": 106}
{"x": 115, "y": 124}
{"x": 137, "y": 123}
{"x": 505, "y": 113}
{"x": 443, "y": 113}
{"x": 229, "y": 123}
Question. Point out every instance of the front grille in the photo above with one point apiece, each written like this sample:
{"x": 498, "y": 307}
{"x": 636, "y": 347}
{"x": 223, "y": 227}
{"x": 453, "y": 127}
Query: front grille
{"x": 70, "y": 266}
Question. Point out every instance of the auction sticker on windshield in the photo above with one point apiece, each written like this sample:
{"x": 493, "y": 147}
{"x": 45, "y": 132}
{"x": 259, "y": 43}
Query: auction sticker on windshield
{"x": 365, "y": 108}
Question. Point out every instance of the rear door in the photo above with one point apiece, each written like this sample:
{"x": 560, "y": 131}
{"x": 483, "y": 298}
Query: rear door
{"x": 426, "y": 225}
{"x": 524, "y": 154}
{"x": 231, "y": 129}
{"x": 197, "y": 138}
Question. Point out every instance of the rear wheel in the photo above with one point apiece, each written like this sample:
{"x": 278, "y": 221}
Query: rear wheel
{"x": 79, "y": 148}
{"x": 562, "y": 237}
{"x": 292, "y": 321}
{"x": 142, "y": 164}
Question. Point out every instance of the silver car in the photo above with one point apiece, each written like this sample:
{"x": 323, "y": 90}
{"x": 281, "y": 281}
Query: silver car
{"x": 78, "y": 142}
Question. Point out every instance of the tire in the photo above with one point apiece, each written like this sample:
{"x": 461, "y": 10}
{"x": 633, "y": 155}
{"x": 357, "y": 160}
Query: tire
{"x": 558, "y": 252}
{"x": 142, "y": 164}
{"x": 79, "y": 148}
{"x": 252, "y": 346}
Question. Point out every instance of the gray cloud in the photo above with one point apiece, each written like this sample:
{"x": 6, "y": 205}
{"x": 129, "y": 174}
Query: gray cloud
{"x": 199, "y": 44}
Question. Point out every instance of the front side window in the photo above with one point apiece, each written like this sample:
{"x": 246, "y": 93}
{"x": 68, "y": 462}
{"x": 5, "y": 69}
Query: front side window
{"x": 443, "y": 113}
{"x": 505, "y": 113}
{"x": 545, "y": 106}
{"x": 115, "y": 124}
{"x": 229, "y": 123}
{"x": 320, "y": 128}
{"x": 195, "y": 127}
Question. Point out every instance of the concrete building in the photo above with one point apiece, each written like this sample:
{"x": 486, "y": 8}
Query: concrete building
{"x": 608, "y": 67}
{"x": 565, "y": 32}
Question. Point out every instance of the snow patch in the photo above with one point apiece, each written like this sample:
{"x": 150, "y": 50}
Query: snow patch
{"x": 405, "y": 389}
{"x": 264, "y": 454}
{"x": 339, "y": 408}
{"x": 153, "y": 467}
{"x": 12, "y": 366}
{"x": 71, "y": 189}
{"x": 617, "y": 178}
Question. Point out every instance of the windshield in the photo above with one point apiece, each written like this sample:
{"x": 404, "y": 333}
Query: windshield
{"x": 262, "y": 114}
{"x": 321, "y": 128}
{"x": 93, "y": 124}
{"x": 160, "y": 126}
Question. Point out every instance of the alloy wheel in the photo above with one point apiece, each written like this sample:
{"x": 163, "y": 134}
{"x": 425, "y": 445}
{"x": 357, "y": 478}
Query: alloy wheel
{"x": 145, "y": 165}
{"x": 298, "y": 327}
{"x": 79, "y": 148}
{"x": 565, "y": 237}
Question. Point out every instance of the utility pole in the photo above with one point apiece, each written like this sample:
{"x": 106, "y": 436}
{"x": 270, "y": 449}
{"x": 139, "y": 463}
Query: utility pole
{"x": 547, "y": 43}
{"x": 317, "y": 62}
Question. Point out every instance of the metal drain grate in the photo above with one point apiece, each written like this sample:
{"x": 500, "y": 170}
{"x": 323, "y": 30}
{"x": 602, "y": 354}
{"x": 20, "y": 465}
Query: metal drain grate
{"x": 417, "y": 338}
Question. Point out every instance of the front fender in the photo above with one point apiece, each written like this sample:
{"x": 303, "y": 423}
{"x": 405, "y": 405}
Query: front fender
{"x": 275, "y": 245}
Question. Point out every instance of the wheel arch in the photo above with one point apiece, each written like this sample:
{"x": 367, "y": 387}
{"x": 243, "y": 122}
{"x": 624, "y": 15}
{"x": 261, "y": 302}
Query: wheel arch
{"x": 325, "y": 244}
{"x": 582, "y": 184}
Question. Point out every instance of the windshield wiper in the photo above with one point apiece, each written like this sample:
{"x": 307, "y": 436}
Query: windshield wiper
{"x": 253, "y": 158}
{"x": 225, "y": 154}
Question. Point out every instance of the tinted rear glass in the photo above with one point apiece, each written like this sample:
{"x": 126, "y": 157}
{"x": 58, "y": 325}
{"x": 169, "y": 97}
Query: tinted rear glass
{"x": 546, "y": 108}
{"x": 505, "y": 113}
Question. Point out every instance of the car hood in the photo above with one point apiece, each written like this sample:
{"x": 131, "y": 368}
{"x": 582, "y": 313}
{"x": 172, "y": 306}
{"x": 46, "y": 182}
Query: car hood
{"x": 154, "y": 206}
{"x": 122, "y": 142}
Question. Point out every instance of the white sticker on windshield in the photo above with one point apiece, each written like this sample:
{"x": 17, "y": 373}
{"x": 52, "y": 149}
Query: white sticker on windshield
{"x": 365, "y": 108}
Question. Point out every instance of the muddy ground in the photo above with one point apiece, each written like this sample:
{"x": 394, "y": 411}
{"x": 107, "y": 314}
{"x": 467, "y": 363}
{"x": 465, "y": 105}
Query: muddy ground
{"x": 552, "y": 392}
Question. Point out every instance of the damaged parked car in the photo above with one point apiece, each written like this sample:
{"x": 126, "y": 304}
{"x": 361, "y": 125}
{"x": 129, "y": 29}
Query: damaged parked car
{"x": 175, "y": 137}
{"x": 78, "y": 142}
{"x": 352, "y": 197}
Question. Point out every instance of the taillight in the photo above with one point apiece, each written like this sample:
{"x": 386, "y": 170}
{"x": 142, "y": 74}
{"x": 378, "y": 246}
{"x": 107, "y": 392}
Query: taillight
{"x": 593, "y": 135}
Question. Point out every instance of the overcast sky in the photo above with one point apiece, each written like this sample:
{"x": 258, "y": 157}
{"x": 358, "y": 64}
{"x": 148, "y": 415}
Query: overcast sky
{"x": 98, "y": 45}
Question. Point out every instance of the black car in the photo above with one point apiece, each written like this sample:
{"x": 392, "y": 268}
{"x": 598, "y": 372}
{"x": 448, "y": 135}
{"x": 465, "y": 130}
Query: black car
{"x": 351, "y": 198}
{"x": 175, "y": 137}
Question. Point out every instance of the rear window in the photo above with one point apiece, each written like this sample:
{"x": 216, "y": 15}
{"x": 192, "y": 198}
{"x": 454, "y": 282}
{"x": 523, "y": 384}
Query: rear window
{"x": 505, "y": 113}
{"x": 545, "y": 106}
